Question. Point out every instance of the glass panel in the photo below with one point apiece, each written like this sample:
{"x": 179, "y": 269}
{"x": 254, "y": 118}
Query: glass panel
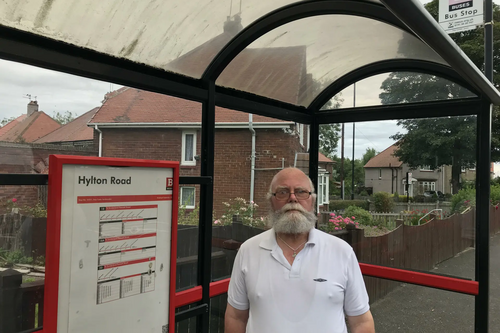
{"x": 187, "y": 325}
{"x": 187, "y": 240}
{"x": 412, "y": 309}
{"x": 294, "y": 62}
{"x": 237, "y": 215}
{"x": 436, "y": 228}
{"x": 494, "y": 272}
{"x": 145, "y": 125}
{"x": 217, "y": 313}
{"x": 175, "y": 35}
{"x": 23, "y": 227}
{"x": 397, "y": 88}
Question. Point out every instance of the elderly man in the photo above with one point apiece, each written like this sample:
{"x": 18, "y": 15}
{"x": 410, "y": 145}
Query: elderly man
{"x": 293, "y": 277}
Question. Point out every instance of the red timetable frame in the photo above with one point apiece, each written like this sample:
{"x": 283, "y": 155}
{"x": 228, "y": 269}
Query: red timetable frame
{"x": 126, "y": 202}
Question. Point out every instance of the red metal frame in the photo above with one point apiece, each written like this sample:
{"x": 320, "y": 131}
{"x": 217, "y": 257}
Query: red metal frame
{"x": 56, "y": 163}
{"x": 193, "y": 295}
{"x": 422, "y": 279}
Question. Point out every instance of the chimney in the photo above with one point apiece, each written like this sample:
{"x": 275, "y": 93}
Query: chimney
{"x": 233, "y": 25}
{"x": 32, "y": 107}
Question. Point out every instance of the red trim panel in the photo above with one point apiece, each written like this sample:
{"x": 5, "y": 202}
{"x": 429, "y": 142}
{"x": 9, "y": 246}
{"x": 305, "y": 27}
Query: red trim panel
{"x": 422, "y": 279}
{"x": 193, "y": 295}
{"x": 122, "y": 198}
{"x": 188, "y": 296}
{"x": 219, "y": 287}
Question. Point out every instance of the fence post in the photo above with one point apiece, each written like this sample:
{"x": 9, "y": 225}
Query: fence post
{"x": 10, "y": 304}
{"x": 399, "y": 222}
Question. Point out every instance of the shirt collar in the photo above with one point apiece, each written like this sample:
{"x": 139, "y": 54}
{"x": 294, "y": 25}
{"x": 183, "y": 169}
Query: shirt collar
{"x": 268, "y": 242}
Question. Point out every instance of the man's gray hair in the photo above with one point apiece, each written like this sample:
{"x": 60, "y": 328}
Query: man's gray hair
{"x": 269, "y": 194}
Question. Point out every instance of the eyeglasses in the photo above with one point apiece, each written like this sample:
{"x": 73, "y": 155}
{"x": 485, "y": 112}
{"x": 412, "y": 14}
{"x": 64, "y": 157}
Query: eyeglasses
{"x": 284, "y": 194}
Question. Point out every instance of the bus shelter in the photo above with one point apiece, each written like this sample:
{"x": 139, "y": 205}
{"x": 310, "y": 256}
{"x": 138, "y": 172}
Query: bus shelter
{"x": 238, "y": 56}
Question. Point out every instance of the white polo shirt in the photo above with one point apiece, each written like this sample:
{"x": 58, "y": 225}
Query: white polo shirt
{"x": 309, "y": 296}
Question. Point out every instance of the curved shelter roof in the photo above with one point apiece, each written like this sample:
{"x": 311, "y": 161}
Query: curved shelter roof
{"x": 339, "y": 42}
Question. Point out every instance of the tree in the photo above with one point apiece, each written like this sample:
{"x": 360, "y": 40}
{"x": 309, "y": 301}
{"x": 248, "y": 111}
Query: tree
{"x": 329, "y": 136}
{"x": 368, "y": 155}
{"x": 64, "y": 118}
{"x": 443, "y": 141}
{"x": 438, "y": 141}
{"x": 5, "y": 121}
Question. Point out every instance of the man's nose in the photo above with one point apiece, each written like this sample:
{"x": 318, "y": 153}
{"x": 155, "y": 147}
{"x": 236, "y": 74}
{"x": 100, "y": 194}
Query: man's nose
{"x": 292, "y": 198}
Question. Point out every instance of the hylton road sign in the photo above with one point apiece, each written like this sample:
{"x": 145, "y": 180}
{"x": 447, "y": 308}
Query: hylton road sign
{"x": 460, "y": 15}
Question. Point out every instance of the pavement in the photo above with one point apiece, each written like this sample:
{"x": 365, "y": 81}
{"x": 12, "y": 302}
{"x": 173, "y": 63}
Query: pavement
{"x": 412, "y": 308}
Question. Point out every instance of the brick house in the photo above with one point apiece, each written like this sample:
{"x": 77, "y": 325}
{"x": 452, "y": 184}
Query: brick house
{"x": 28, "y": 127}
{"x": 25, "y": 145}
{"x": 385, "y": 172}
{"x": 133, "y": 123}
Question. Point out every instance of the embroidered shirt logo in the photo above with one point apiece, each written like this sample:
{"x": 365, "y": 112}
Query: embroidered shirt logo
{"x": 320, "y": 280}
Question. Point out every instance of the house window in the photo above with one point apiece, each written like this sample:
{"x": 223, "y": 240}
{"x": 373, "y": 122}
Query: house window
{"x": 463, "y": 169}
{"x": 187, "y": 197}
{"x": 425, "y": 168}
{"x": 428, "y": 186}
{"x": 188, "y": 148}
{"x": 379, "y": 173}
{"x": 323, "y": 189}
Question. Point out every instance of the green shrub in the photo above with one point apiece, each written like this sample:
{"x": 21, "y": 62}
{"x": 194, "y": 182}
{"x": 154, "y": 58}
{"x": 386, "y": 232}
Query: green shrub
{"x": 466, "y": 197}
{"x": 395, "y": 197}
{"x": 360, "y": 215}
{"x": 343, "y": 204}
{"x": 495, "y": 194}
{"x": 383, "y": 202}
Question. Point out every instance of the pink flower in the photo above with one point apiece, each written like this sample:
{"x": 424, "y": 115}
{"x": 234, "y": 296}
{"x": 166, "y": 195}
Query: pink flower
{"x": 336, "y": 228}
{"x": 14, "y": 200}
{"x": 332, "y": 214}
{"x": 353, "y": 217}
{"x": 216, "y": 222}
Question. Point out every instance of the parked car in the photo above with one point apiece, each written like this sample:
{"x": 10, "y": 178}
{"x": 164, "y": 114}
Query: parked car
{"x": 432, "y": 194}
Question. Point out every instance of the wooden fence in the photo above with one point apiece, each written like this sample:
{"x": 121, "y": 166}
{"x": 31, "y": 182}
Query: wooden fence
{"x": 25, "y": 234}
{"x": 409, "y": 247}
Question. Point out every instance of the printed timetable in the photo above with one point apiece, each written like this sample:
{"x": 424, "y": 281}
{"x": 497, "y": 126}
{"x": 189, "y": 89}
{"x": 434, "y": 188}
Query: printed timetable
{"x": 127, "y": 251}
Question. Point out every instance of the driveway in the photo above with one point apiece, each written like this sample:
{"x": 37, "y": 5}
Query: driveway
{"x": 425, "y": 310}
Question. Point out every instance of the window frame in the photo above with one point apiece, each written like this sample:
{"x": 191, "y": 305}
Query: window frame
{"x": 182, "y": 188}
{"x": 185, "y": 162}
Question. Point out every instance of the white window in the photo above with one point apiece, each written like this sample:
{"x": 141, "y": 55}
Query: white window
{"x": 425, "y": 168}
{"x": 188, "y": 197}
{"x": 188, "y": 148}
{"x": 428, "y": 186}
{"x": 301, "y": 134}
{"x": 323, "y": 189}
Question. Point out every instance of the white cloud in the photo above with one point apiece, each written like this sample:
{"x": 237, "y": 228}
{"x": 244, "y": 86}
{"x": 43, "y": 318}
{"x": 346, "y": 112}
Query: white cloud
{"x": 54, "y": 91}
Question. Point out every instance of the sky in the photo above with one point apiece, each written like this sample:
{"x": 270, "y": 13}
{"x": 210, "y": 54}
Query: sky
{"x": 60, "y": 92}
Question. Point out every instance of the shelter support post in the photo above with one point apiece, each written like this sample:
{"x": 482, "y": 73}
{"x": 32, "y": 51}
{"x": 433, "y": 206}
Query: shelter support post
{"x": 482, "y": 216}
{"x": 313, "y": 153}
{"x": 206, "y": 204}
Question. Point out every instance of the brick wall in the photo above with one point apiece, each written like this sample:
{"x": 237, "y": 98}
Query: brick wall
{"x": 232, "y": 157}
{"x": 29, "y": 158}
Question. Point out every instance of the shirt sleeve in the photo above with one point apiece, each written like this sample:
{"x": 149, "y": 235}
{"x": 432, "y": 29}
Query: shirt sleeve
{"x": 237, "y": 292}
{"x": 356, "y": 297}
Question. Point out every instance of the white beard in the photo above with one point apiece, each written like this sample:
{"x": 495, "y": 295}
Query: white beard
{"x": 292, "y": 218}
